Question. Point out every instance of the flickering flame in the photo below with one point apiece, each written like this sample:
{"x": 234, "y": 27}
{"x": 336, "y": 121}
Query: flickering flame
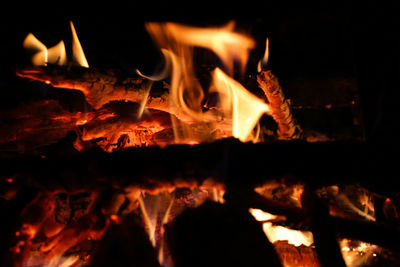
{"x": 239, "y": 110}
{"x": 357, "y": 253}
{"x": 55, "y": 55}
{"x": 278, "y": 233}
{"x": 264, "y": 61}
{"x": 32, "y": 43}
{"x": 223, "y": 41}
{"x": 246, "y": 108}
{"x": 77, "y": 50}
{"x": 262, "y": 215}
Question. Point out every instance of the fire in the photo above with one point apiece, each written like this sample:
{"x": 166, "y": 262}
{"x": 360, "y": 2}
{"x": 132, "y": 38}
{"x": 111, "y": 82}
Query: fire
{"x": 227, "y": 44}
{"x": 238, "y": 111}
{"x": 57, "y": 54}
{"x": 279, "y": 233}
{"x": 264, "y": 60}
{"x": 357, "y": 253}
{"x": 77, "y": 50}
{"x": 32, "y": 43}
{"x": 246, "y": 108}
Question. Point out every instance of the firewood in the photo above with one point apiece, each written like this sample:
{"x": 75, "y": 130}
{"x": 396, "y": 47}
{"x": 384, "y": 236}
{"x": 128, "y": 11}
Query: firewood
{"x": 280, "y": 106}
{"x": 103, "y": 86}
{"x": 115, "y": 130}
{"x": 98, "y": 86}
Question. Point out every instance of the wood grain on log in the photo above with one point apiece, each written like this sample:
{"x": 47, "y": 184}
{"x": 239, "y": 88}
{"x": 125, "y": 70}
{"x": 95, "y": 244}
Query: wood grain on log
{"x": 103, "y": 86}
{"x": 280, "y": 106}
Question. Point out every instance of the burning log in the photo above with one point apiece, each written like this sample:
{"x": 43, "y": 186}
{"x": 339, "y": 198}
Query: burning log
{"x": 98, "y": 86}
{"x": 280, "y": 106}
{"x": 103, "y": 86}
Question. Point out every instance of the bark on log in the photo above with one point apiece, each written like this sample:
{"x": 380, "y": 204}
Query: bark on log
{"x": 98, "y": 86}
{"x": 280, "y": 106}
{"x": 102, "y": 86}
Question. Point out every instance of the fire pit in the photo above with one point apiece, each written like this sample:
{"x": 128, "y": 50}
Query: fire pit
{"x": 201, "y": 158}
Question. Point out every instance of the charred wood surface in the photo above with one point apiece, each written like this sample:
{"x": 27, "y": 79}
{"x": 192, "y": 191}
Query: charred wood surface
{"x": 237, "y": 165}
{"x": 103, "y": 86}
{"x": 227, "y": 160}
{"x": 280, "y": 106}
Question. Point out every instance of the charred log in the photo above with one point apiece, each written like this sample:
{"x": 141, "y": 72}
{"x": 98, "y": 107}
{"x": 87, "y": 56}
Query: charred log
{"x": 227, "y": 160}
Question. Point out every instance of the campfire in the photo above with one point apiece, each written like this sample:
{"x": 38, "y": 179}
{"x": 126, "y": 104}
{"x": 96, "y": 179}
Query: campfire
{"x": 195, "y": 164}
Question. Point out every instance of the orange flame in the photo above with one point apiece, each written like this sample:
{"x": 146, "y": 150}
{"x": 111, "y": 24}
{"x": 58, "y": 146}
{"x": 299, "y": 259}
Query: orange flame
{"x": 55, "y": 55}
{"x": 246, "y": 108}
{"x": 77, "y": 50}
{"x": 223, "y": 41}
{"x": 265, "y": 58}
{"x": 240, "y": 110}
{"x": 32, "y": 43}
{"x": 43, "y": 55}
{"x": 277, "y": 233}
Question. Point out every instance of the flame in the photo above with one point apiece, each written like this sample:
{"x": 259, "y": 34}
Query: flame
{"x": 223, "y": 41}
{"x": 357, "y": 253}
{"x": 77, "y": 51}
{"x": 32, "y": 43}
{"x": 239, "y": 112}
{"x": 278, "y": 233}
{"x": 262, "y": 215}
{"x": 43, "y": 55}
{"x": 264, "y": 60}
{"x": 247, "y": 109}
{"x": 57, "y": 55}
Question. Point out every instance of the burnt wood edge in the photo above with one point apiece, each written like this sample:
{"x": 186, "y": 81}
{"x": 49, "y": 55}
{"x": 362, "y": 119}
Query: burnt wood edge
{"x": 238, "y": 165}
{"x": 227, "y": 160}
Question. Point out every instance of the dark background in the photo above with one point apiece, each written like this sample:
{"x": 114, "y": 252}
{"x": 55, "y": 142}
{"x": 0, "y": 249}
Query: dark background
{"x": 322, "y": 52}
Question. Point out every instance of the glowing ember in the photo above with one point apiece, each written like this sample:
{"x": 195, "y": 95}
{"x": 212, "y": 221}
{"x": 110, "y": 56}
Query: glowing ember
{"x": 280, "y": 233}
{"x": 357, "y": 253}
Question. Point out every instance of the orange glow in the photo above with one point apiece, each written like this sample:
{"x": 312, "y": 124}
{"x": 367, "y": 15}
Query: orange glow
{"x": 77, "y": 51}
{"x": 357, "y": 253}
{"x": 223, "y": 41}
{"x": 244, "y": 108}
{"x": 280, "y": 233}
{"x": 265, "y": 58}
{"x": 57, "y": 55}
{"x": 115, "y": 218}
{"x": 239, "y": 110}
{"x": 260, "y": 215}
{"x": 294, "y": 237}
{"x": 40, "y": 56}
